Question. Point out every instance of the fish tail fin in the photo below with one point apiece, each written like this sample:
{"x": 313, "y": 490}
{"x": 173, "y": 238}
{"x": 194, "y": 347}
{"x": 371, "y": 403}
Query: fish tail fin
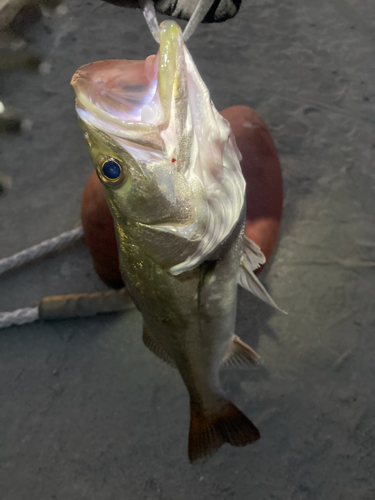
{"x": 209, "y": 432}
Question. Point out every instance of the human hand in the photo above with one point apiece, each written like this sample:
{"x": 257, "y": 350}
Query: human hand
{"x": 260, "y": 167}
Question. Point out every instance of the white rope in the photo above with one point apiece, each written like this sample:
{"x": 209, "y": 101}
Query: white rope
{"x": 40, "y": 250}
{"x": 19, "y": 317}
{"x": 75, "y": 305}
{"x": 197, "y": 17}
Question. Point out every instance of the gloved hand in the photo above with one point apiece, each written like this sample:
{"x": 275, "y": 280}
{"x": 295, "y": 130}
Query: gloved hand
{"x": 182, "y": 9}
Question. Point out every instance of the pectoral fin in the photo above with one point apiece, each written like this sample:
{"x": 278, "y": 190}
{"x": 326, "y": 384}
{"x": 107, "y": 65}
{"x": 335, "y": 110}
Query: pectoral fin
{"x": 154, "y": 347}
{"x": 252, "y": 254}
{"x": 240, "y": 354}
{"x": 248, "y": 280}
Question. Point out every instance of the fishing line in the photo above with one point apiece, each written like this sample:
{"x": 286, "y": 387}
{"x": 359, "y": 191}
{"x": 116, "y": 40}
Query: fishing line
{"x": 149, "y": 14}
{"x": 198, "y": 15}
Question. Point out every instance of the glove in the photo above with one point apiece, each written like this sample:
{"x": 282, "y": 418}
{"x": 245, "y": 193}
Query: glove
{"x": 182, "y": 9}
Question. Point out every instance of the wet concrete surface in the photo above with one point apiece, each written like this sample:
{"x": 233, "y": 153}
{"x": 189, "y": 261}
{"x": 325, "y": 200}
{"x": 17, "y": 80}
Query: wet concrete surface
{"x": 86, "y": 412}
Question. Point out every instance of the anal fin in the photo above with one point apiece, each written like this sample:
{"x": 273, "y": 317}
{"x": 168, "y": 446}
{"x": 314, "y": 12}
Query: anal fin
{"x": 240, "y": 354}
{"x": 209, "y": 432}
{"x": 155, "y": 348}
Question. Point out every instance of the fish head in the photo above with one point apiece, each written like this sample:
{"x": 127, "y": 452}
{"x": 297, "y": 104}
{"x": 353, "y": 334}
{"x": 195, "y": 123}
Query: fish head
{"x": 166, "y": 158}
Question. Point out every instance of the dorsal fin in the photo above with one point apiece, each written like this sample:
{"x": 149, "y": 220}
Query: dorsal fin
{"x": 240, "y": 354}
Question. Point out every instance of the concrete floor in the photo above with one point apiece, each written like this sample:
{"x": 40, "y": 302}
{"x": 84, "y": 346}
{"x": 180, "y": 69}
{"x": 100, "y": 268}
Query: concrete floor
{"x": 86, "y": 412}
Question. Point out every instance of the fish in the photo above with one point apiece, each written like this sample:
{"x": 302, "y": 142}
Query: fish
{"x": 170, "y": 169}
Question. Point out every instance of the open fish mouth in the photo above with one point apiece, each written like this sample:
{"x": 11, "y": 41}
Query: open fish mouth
{"x": 133, "y": 100}
{"x": 116, "y": 97}
{"x": 116, "y": 90}
{"x": 160, "y": 110}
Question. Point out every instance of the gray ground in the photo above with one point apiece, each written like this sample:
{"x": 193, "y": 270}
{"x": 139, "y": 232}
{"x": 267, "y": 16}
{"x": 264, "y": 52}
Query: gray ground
{"x": 86, "y": 412}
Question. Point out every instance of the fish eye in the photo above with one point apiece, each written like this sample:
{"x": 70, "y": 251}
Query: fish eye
{"x": 111, "y": 171}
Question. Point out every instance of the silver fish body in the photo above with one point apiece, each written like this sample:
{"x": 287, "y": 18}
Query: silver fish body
{"x": 171, "y": 175}
{"x": 189, "y": 317}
